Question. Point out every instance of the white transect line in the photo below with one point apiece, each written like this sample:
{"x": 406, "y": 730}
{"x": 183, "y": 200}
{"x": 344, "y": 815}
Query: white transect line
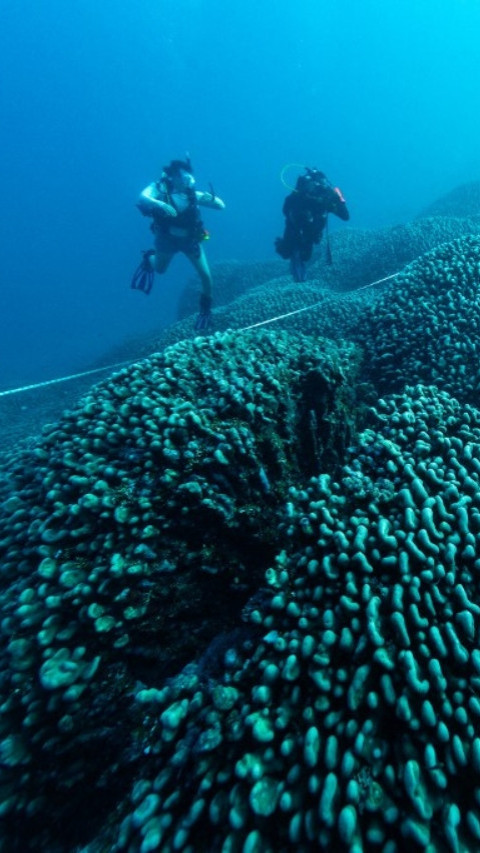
{"x": 316, "y": 304}
{"x": 64, "y": 378}
{"x": 132, "y": 361}
{"x": 378, "y": 281}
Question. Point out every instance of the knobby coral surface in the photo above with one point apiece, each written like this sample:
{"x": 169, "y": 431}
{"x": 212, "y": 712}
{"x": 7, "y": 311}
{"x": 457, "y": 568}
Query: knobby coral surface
{"x": 132, "y": 535}
{"x": 240, "y": 596}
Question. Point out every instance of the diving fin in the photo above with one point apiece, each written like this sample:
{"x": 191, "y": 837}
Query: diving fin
{"x": 144, "y": 274}
{"x": 203, "y": 322}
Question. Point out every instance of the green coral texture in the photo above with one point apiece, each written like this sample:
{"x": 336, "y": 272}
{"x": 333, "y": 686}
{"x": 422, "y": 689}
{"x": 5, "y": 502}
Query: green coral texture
{"x": 241, "y": 584}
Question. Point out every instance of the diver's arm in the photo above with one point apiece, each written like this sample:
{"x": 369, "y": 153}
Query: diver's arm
{"x": 150, "y": 205}
{"x": 337, "y": 204}
{"x": 209, "y": 200}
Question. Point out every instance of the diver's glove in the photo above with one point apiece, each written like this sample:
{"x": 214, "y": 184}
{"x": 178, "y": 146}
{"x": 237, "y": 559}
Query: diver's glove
{"x": 204, "y": 319}
{"x": 144, "y": 274}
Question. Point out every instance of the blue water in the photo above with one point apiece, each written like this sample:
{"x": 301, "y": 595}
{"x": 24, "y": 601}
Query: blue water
{"x": 96, "y": 96}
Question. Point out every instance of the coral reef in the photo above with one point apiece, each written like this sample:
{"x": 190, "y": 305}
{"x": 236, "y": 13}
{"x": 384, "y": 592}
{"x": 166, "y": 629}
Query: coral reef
{"x": 359, "y": 257}
{"x": 251, "y": 293}
{"x": 463, "y": 201}
{"x": 425, "y": 326}
{"x": 352, "y": 723}
{"x": 240, "y": 578}
{"x": 232, "y": 278}
{"x": 158, "y": 497}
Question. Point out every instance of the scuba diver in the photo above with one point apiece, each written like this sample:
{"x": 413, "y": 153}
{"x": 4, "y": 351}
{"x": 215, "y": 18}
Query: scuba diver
{"x": 306, "y": 210}
{"x": 173, "y": 204}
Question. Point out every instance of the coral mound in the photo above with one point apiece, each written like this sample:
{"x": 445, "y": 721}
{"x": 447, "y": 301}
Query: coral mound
{"x": 132, "y": 535}
{"x": 241, "y": 582}
{"x": 352, "y": 722}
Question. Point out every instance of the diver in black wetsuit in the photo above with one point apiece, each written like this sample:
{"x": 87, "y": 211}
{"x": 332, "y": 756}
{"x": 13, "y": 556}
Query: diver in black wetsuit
{"x": 173, "y": 203}
{"x": 306, "y": 210}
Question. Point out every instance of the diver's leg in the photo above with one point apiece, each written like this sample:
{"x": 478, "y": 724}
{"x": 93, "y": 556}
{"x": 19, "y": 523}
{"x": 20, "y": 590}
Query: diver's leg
{"x": 199, "y": 260}
{"x": 160, "y": 261}
{"x": 162, "y": 255}
{"x": 297, "y": 266}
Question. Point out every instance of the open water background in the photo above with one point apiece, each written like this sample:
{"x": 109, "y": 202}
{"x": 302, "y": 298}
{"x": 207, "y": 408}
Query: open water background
{"x": 96, "y": 97}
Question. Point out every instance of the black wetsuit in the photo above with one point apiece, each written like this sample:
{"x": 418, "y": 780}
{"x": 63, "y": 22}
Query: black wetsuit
{"x": 305, "y": 218}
